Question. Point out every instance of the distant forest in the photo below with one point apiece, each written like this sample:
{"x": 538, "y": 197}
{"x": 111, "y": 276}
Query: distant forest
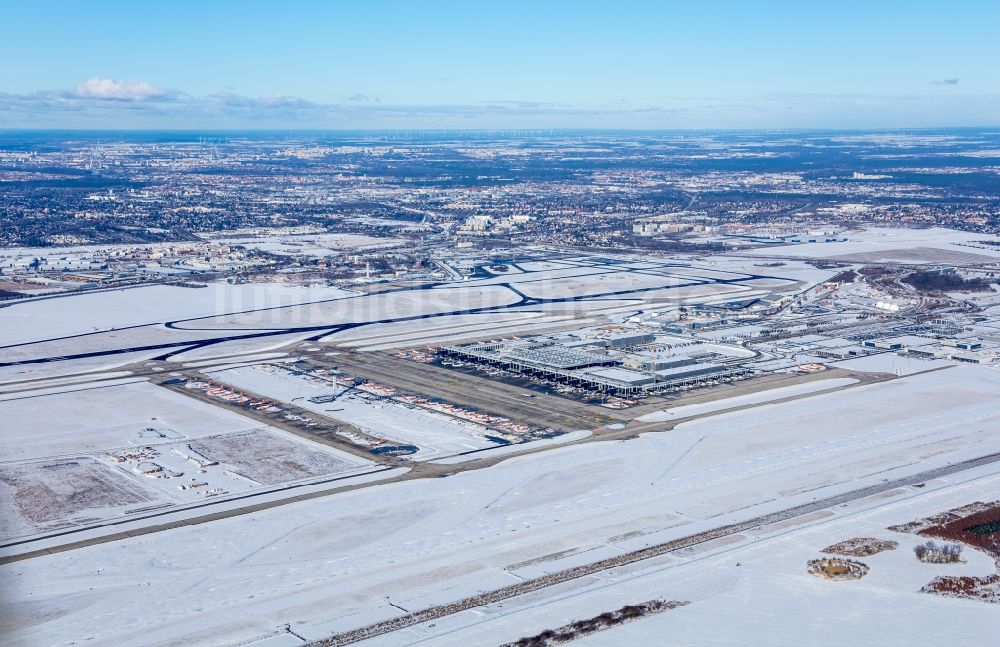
{"x": 937, "y": 281}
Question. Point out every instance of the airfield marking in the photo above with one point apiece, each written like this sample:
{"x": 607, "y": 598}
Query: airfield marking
{"x": 417, "y": 471}
{"x": 329, "y": 329}
{"x": 657, "y": 550}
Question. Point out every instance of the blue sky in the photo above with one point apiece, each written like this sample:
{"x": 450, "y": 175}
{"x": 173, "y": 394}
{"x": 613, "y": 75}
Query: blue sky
{"x": 507, "y": 64}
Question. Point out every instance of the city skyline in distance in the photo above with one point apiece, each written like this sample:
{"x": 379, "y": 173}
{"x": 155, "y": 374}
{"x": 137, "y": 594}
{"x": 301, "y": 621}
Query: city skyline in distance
{"x": 396, "y": 66}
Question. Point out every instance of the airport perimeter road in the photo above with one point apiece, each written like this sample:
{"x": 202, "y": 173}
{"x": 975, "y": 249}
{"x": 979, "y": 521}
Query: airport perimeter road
{"x": 559, "y": 577}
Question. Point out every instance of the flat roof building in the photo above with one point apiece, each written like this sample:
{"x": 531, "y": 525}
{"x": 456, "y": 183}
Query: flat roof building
{"x": 689, "y": 371}
{"x": 634, "y": 378}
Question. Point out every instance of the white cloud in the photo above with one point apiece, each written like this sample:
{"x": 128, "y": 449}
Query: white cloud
{"x": 105, "y": 103}
{"x": 118, "y": 90}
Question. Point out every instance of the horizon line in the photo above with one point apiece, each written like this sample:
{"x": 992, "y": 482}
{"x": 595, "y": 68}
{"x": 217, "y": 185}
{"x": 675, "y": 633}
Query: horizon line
{"x": 495, "y": 130}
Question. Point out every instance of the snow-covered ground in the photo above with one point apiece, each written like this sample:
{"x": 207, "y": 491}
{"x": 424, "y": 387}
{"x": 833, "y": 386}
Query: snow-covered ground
{"x": 769, "y": 395}
{"x": 434, "y": 434}
{"x": 500, "y": 450}
{"x": 312, "y": 244}
{"x": 360, "y": 309}
{"x": 101, "y": 311}
{"x": 343, "y": 561}
{"x": 54, "y": 370}
{"x": 889, "y": 424}
{"x": 77, "y": 454}
{"x": 99, "y": 416}
{"x": 41, "y": 331}
{"x": 892, "y": 363}
{"x": 599, "y": 284}
{"x": 576, "y": 281}
{"x": 897, "y": 244}
{"x": 758, "y": 593}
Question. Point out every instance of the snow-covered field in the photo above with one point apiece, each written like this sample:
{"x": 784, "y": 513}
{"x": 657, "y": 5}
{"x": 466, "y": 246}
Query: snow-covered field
{"x": 434, "y": 434}
{"x": 270, "y": 459}
{"x": 50, "y": 494}
{"x": 892, "y": 363}
{"x": 895, "y": 423}
{"x": 170, "y": 319}
{"x": 342, "y": 561}
{"x": 361, "y": 309}
{"x": 769, "y": 395}
{"x": 934, "y": 245}
{"x": 794, "y": 270}
{"x": 102, "y": 311}
{"x": 413, "y": 331}
{"x": 158, "y": 469}
{"x": 758, "y": 593}
{"x": 312, "y": 244}
{"x": 53, "y": 370}
{"x": 78, "y": 454}
{"x": 553, "y": 281}
{"x": 599, "y": 284}
{"x": 429, "y": 335}
{"x": 95, "y": 417}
